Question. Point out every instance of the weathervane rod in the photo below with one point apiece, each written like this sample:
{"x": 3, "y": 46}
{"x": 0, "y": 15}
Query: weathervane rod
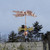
{"x": 25, "y": 20}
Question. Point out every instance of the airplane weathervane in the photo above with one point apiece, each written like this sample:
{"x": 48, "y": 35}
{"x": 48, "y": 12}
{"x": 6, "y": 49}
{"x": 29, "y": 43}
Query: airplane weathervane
{"x": 21, "y": 14}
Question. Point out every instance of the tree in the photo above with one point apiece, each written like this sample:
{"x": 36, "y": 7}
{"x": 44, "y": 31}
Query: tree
{"x": 46, "y": 39}
{"x": 30, "y": 34}
{"x": 21, "y": 37}
{"x": 12, "y": 37}
{"x": 47, "y": 36}
{"x": 37, "y": 27}
{"x": 34, "y": 34}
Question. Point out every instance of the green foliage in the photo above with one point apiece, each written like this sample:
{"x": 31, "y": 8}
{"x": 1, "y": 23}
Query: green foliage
{"x": 30, "y": 37}
{"x": 12, "y": 37}
{"x": 37, "y": 27}
{"x": 34, "y": 34}
{"x": 30, "y": 34}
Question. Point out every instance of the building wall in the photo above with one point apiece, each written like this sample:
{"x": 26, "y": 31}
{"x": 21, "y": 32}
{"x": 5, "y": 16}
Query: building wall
{"x": 33, "y": 45}
{"x": 26, "y": 46}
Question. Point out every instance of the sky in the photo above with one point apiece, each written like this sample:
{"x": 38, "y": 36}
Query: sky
{"x": 9, "y": 23}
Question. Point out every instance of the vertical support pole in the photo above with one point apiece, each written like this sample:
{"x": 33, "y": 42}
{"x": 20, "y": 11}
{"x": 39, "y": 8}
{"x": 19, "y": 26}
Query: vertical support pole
{"x": 25, "y": 20}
